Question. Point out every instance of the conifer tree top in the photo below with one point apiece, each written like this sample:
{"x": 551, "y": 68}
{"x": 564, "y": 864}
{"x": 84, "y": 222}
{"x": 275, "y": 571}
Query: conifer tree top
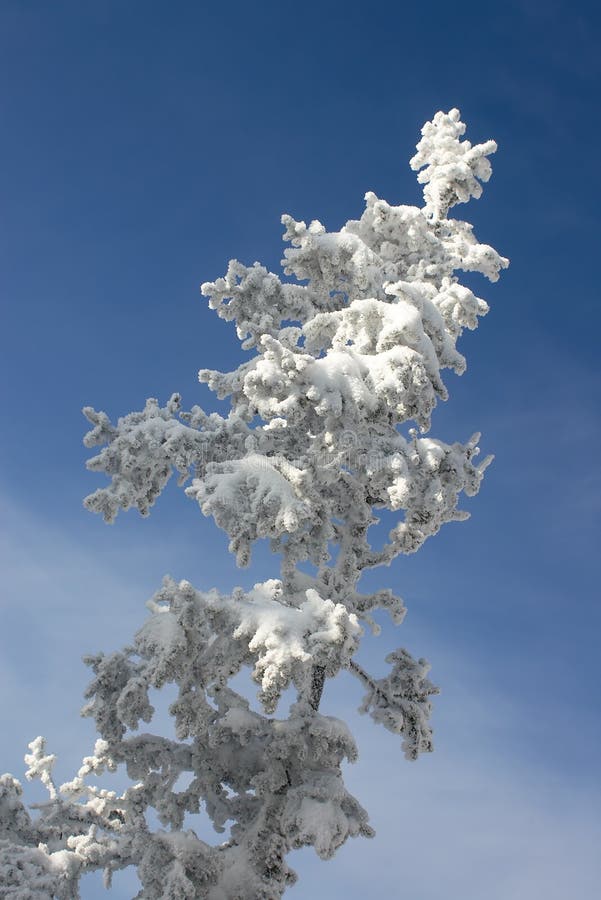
{"x": 328, "y": 424}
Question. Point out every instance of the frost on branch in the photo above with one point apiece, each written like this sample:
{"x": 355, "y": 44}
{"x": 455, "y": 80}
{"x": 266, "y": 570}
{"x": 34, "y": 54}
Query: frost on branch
{"x": 145, "y": 447}
{"x": 46, "y": 856}
{"x": 276, "y": 781}
{"x": 254, "y": 497}
{"x": 453, "y": 168}
{"x": 327, "y": 427}
{"x": 401, "y": 702}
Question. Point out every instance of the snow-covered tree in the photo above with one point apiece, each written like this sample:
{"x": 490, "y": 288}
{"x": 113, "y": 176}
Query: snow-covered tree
{"x": 346, "y": 355}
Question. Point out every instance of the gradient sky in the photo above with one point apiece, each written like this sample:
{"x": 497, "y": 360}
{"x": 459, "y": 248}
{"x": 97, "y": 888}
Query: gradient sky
{"x": 146, "y": 143}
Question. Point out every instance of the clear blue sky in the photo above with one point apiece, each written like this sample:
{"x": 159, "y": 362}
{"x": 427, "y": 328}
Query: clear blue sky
{"x": 143, "y": 145}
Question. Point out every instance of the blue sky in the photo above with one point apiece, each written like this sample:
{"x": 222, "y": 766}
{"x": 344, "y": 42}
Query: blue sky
{"x": 146, "y": 143}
